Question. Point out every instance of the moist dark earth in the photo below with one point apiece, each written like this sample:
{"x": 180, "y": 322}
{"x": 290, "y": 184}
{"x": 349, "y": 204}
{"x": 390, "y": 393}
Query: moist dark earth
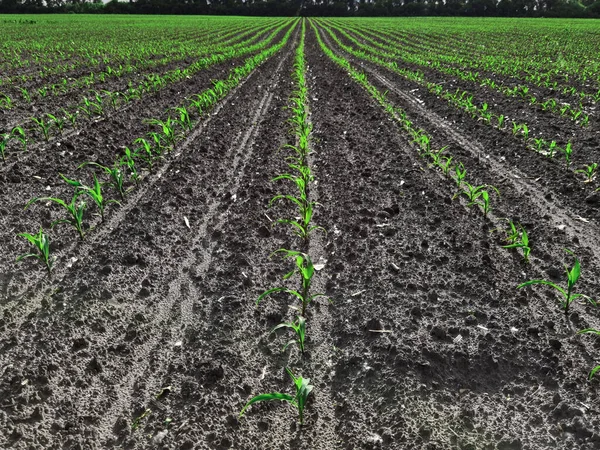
{"x": 425, "y": 341}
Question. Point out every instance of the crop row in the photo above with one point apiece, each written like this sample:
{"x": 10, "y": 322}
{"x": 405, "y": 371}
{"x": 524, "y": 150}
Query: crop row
{"x": 99, "y": 104}
{"x": 125, "y": 173}
{"x": 301, "y": 225}
{"x": 464, "y": 100}
{"x": 508, "y": 52}
{"x": 388, "y": 49}
{"x": 54, "y": 50}
{"x": 516, "y": 236}
{"x": 24, "y": 94}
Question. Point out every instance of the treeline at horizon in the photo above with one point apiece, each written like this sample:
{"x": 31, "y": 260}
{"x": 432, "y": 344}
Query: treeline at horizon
{"x": 358, "y": 8}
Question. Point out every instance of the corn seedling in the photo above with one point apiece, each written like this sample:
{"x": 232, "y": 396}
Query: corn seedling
{"x": 568, "y": 152}
{"x": 435, "y": 156}
{"x": 299, "y": 327}
{"x": 184, "y": 118}
{"x": 25, "y": 95}
{"x": 568, "y": 295}
{"x": 423, "y": 140}
{"x": 5, "y": 101}
{"x": 519, "y": 239}
{"x": 445, "y": 164}
{"x": 478, "y": 195}
{"x": 513, "y": 233}
{"x": 301, "y": 225}
{"x": 589, "y": 172}
{"x": 552, "y": 149}
{"x": 459, "y": 174}
{"x": 114, "y": 97}
{"x": 57, "y": 122}
{"x": 19, "y": 134}
{"x": 146, "y": 153}
{"x": 90, "y": 108}
{"x": 516, "y": 128}
{"x": 138, "y": 420}
{"x": 306, "y": 270}
{"x": 525, "y": 131}
{"x": 74, "y": 211}
{"x": 591, "y": 331}
{"x": 94, "y": 192}
{"x": 115, "y": 175}
{"x": 539, "y": 143}
{"x": 4, "y": 140}
{"x": 128, "y": 160}
{"x": 71, "y": 117}
{"x": 168, "y": 131}
{"x": 44, "y": 127}
{"x": 41, "y": 245}
{"x": 501, "y": 121}
{"x": 298, "y": 401}
{"x": 585, "y": 120}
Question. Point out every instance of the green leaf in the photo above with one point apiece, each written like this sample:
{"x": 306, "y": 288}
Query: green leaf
{"x": 269, "y": 292}
{"x": 548, "y": 283}
{"x": 593, "y": 372}
{"x": 74, "y": 183}
{"x": 29, "y": 255}
{"x": 589, "y": 330}
{"x": 267, "y": 397}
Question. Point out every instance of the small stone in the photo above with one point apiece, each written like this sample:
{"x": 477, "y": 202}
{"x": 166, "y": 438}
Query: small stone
{"x": 160, "y": 436}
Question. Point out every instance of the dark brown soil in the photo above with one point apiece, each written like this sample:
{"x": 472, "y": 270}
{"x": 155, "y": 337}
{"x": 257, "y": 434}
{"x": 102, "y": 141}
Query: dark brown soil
{"x": 426, "y": 343}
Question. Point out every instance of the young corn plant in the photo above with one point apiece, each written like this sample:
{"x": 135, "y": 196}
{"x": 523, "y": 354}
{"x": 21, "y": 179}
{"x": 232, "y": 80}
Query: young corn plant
{"x": 71, "y": 117}
{"x": 459, "y": 174}
{"x": 552, "y": 149}
{"x": 115, "y": 174}
{"x": 515, "y": 129}
{"x": 146, "y": 153}
{"x": 501, "y": 121}
{"x": 19, "y": 134}
{"x": 90, "y": 108}
{"x": 435, "y": 156}
{"x": 298, "y": 401}
{"x": 589, "y": 172}
{"x": 168, "y": 131}
{"x": 299, "y": 327}
{"x": 5, "y": 101}
{"x": 568, "y": 152}
{"x": 306, "y": 269}
{"x": 519, "y": 239}
{"x": 4, "y": 140}
{"x": 591, "y": 331}
{"x": 479, "y": 195}
{"x": 74, "y": 211}
{"x": 94, "y": 192}
{"x": 43, "y": 126}
{"x": 445, "y": 163}
{"x": 539, "y": 144}
{"x": 568, "y": 295}
{"x": 184, "y": 118}
{"x": 57, "y": 122}
{"x": 113, "y": 97}
{"x": 302, "y": 225}
{"x": 128, "y": 161}
{"x": 25, "y": 95}
{"x": 41, "y": 244}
